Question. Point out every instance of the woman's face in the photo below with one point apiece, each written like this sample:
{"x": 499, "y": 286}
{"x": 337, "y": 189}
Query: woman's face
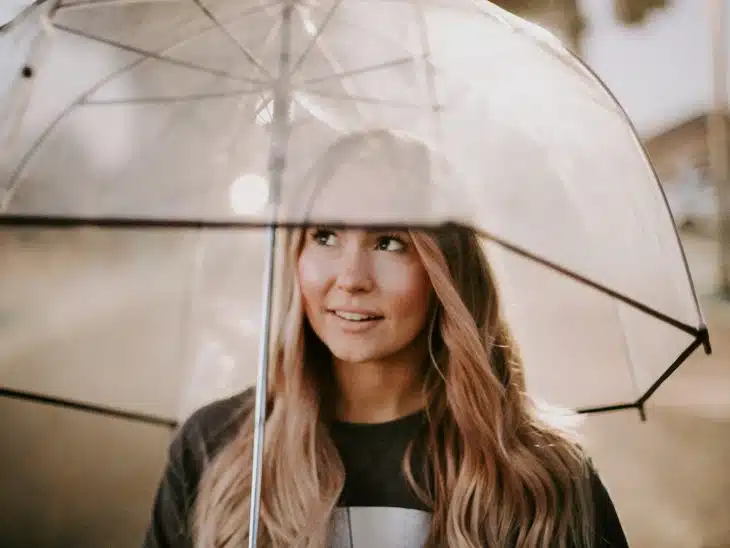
{"x": 366, "y": 293}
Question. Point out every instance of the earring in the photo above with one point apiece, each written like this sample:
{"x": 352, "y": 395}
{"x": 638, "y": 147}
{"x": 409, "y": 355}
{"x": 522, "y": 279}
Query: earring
{"x": 430, "y": 345}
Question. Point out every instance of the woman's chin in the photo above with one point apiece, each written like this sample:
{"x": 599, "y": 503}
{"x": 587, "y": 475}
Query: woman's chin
{"x": 352, "y": 354}
{"x": 354, "y": 358}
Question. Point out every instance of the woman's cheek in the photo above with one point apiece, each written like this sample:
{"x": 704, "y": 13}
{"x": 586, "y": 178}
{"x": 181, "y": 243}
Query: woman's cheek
{"x": 409, "y": 280}
{"x": 312, "y": 274}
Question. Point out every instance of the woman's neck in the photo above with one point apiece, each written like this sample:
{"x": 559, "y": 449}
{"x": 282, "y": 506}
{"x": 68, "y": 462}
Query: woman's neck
{"x": 375, "y": 392}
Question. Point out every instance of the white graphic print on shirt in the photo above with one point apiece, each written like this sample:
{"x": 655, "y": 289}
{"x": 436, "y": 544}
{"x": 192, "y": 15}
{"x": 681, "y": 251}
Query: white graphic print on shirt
{"x": 379, "y": 527}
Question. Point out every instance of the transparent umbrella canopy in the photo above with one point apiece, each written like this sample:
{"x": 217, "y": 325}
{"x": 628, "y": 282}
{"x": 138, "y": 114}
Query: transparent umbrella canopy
{"x": 150, "y": 146}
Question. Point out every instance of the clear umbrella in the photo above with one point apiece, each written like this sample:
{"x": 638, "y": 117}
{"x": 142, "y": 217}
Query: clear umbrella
{"x": 144, "y": 141}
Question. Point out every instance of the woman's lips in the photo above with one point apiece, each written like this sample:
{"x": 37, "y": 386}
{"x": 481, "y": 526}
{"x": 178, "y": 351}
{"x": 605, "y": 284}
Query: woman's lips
{"x": 352, "y": 321}
{"x": 356, "y": 316}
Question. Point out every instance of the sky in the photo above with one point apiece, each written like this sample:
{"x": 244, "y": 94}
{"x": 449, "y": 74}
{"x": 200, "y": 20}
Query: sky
{"x": 11, "y": 8}
{"x": 661, "y": 72}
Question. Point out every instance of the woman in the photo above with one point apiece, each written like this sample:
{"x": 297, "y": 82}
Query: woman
{"x": 397, "y": 417}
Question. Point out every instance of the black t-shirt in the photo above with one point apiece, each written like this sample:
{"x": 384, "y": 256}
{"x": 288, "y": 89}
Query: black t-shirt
{"x": 377, "y": 507}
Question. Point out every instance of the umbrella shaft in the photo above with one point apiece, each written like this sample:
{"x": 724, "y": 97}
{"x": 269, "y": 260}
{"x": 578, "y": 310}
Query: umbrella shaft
{"x": 277, "y": 163}
{"x": 261, "y": 389}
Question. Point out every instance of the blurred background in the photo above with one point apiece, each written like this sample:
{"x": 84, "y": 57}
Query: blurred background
{"x": 667, "y": 63}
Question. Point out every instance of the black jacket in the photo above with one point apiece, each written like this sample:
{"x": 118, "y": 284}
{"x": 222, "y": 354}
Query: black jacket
{"x": 375, "y": 494}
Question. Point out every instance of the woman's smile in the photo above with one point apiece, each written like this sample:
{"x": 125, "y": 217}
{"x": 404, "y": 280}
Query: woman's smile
{"x": 355, "y": 322}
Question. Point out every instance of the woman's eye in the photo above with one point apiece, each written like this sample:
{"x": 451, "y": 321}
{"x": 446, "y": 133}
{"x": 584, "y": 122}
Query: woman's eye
{"x": 324, "y": 237}
{"x": 390, "y": 243}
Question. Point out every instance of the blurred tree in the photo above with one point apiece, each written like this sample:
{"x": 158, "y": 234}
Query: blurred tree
{"x": 629, "y": 12}
{"x": 718, "y": 138}
{"x": 561, "y": 17}
{"x": 635, "y": 12}
{"x": 520, "y": 6}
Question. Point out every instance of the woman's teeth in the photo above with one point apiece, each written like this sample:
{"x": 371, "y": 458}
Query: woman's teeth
{"x": 354, "y": 317}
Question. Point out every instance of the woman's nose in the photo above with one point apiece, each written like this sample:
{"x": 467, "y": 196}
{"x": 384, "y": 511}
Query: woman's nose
{"x": 355, "y": 273}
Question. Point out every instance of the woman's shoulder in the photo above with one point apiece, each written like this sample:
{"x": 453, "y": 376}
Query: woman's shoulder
{"x": 206, "y": 430}
{"x": 607, "y": 524}
{"x": 194, "y": 444}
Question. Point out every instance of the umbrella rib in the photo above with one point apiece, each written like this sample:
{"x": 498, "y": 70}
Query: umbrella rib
{"x": 90, "y": 4}
{"x": 86, "y": 407}
{"x": 265, "y": 102}
{"x": 605, "y": 408}
{"x": 595, "y": 285}
{"x": 331, "y": 59}
{"x": 247, "y": 54}
{"x": 627, "y": 350}
{"x": 426, "y": 54}
{"x": 701, "y": 338}
{"x": 83, "y": 4}
{"x": 428, "y": 69}
{"x": 167, "y": 100}
{"x": 362, "y": 70}
{"x": 360, "y": 99}
{"x": 310, "y": 44}
{"x": 156, "y": 56}
{"x": 149, "y": 151}
{"x": 189, "y": 306}
{"x": 316, "y": 113}
{"x": 264, "y": 97}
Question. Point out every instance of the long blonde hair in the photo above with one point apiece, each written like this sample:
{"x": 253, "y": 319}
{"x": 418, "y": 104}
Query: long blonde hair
{"x": 497, "y": 472}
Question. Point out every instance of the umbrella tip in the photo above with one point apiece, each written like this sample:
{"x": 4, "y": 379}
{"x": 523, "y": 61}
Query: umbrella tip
{"x": 27, "y": 71}
{"x": 642, "y": 412}
{"x": 704, "y": 336}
